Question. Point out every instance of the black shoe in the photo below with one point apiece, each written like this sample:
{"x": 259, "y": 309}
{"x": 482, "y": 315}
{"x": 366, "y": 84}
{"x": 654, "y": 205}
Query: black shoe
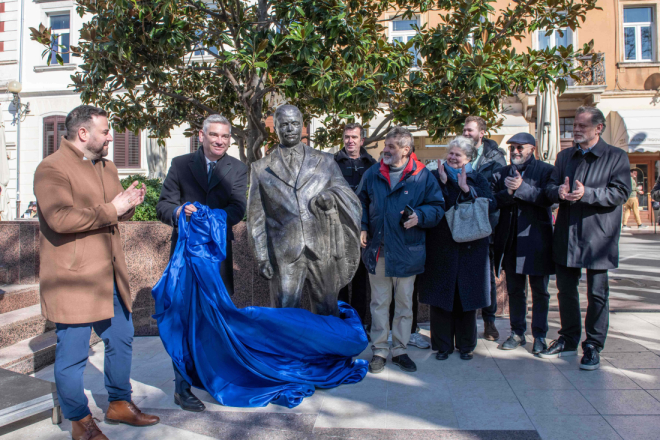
{"x": 514, "y": 341}
{"x": 442, "y": 355}
{"x": 490, "y": 331}
{"x": 539, "y": 345}
{"x": 188, "y": 401}
{"x": 558, "y": 349}
{"x": 377, "y": 364}
{"x": 404, "y": 362}
{"x": 590, "y": 359}
{"x": 467, "y": 356}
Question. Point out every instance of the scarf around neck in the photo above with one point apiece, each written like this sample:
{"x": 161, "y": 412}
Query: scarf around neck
{"x": 453, "y": 173}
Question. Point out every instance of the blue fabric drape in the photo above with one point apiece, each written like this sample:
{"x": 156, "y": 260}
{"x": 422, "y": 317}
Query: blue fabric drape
{"x": 253, "y": 356}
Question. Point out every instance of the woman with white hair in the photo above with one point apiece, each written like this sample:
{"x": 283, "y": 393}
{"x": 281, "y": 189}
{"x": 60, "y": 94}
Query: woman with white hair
{"x": 456, "y": 278}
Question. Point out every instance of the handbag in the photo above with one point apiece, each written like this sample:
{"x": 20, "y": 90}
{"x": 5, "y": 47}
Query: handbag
{"x": 468, "y": 221}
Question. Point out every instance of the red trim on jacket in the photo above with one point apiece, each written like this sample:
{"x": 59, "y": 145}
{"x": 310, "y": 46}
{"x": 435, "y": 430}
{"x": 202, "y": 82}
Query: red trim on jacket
{"x": 385, "y": 169}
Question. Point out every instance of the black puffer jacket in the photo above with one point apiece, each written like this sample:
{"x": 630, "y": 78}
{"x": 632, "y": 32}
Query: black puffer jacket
{"x": 353, "y": 169}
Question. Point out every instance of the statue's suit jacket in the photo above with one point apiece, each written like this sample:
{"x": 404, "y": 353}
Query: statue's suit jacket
{"x": 281, "y": 222}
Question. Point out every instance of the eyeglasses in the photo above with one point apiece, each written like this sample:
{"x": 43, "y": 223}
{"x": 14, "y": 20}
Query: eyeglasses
{"x": 517, "y": 147}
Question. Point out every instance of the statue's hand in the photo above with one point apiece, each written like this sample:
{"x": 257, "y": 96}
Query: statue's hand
{"x": 325, "y": 201}
{"x": 266, "y": 270}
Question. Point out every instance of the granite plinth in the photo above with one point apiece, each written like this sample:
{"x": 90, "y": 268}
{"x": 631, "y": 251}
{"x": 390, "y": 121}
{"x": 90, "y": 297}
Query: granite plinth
{"x": 146, "y": 247}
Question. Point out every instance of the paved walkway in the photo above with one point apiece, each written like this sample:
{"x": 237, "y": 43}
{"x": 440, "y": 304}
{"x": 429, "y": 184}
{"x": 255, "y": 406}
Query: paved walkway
{"x": 498, "y": 395}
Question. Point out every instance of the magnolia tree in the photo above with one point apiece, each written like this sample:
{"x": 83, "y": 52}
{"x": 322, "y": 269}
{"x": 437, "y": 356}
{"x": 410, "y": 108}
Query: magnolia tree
{"x": 159, "y": 64}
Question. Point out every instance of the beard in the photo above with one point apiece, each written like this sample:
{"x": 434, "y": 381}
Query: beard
{"x": 99, "y": 151}
{"x": 387, "y": 160}
{"x": 518, "y": 160}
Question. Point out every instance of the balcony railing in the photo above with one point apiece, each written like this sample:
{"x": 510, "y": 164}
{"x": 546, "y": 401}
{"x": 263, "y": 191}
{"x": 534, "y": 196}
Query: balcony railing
{"x": 591, "y": 71}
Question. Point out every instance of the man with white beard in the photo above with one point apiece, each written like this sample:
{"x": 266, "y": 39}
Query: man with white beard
{"x": 523, "y": 239}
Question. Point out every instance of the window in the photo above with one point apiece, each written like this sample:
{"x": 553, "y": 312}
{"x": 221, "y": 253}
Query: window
{"x": 555, "y": 39}
{"x": 638, "y": 34}
{"x": 127, "y": 149}
{"x": 54, "y": 129}
{"x": 194, "y": 142}
{"x": 566, "y": 128}
{"x": 403, "y": 31}
{"x": 61, "y": 26}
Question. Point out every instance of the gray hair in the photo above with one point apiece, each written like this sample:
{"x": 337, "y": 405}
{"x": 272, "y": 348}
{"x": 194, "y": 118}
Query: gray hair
{"x": 402, "y": 137}
{"x": 465, "y": 144}
{"x": 215, "y": 119}
{"x": 597, "y": 117}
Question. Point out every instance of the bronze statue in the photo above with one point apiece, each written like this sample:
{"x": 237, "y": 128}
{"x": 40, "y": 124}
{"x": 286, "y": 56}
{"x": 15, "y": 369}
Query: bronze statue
{"x": 303, "y": 220}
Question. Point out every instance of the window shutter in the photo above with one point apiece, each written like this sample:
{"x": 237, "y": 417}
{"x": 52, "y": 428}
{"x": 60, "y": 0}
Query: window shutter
{"x": 127, "y": 149}
{"x": 134, "y": 150}
{"x": 194, "y": 143}
{"x": 119, "y": 143}
{"x": 54, "y": 129}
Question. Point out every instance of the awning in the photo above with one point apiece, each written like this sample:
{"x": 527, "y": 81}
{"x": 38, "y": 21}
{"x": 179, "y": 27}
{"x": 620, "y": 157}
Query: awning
{"x": 636, "y": 131}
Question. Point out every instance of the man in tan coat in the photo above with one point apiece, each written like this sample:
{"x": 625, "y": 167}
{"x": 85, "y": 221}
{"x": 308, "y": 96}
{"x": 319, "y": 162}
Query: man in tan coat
{"x": 83, "y": 274}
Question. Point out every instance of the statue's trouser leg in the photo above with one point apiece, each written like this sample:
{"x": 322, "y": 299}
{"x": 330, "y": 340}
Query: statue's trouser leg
{"x": 381, "y": 296}
{"x": 323, "y": 286}
{"x": 287, "y": 283}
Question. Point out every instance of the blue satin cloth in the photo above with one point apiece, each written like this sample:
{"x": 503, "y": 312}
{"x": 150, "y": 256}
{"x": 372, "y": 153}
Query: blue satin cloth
{"x": 253, "y": 356}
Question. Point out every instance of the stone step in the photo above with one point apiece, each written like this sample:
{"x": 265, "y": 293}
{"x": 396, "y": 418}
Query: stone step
{"x": 33, "y": 354}
{"x": 17, "y": 296}
{"x": 29, "y": 355}
{"x": 22, "y": 324}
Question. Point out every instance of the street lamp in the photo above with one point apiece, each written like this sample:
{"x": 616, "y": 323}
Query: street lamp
{"x": 22, "y": 110}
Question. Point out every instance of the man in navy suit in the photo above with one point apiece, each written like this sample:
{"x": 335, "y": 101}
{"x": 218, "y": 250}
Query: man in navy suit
{"x": 213, "y": 178}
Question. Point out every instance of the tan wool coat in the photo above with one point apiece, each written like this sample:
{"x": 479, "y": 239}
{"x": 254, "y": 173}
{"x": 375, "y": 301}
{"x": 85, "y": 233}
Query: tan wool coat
{"x": 79, "y": 243}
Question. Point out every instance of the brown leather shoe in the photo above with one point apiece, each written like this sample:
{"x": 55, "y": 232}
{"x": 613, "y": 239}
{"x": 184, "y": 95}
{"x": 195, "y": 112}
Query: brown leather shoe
{"x": 122, "y": 411}
{"x": 490, "y": 331}
{"x": 86, "y": 429}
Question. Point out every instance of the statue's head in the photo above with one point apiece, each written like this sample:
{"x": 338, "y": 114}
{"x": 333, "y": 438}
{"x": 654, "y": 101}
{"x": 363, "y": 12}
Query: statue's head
{"x": 288, "y": 125}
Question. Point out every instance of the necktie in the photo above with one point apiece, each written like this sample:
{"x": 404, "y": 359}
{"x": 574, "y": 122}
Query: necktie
{"x": 211, "y": 168}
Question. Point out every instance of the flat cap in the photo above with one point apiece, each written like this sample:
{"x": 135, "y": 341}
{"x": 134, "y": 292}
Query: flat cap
{"x": 522, "y": 138}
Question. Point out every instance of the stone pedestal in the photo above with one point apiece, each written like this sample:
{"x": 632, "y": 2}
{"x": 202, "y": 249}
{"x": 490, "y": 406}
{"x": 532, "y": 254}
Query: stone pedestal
{"x": 147, "y": 247}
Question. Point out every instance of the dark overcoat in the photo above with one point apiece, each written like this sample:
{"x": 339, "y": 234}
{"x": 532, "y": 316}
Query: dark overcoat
{"x": 533, "y": 220}
{"x": 187, "y": 181}
{"x": 450, "y": 264}
{"x": 587, "y": 231}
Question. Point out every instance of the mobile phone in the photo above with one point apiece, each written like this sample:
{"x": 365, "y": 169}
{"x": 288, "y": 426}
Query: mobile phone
{"x": 407, "y": 212}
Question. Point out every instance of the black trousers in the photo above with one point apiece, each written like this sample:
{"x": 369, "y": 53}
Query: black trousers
{"x": 488, "y": 313}
{"x": 515, "y": 285}
{"x": 598, "y": 310}
{"x": 359, "y": 294}
{"x": 453, "y": 329}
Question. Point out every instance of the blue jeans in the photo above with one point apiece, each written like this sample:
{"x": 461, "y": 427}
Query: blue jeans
{"x": 71, "y": 356}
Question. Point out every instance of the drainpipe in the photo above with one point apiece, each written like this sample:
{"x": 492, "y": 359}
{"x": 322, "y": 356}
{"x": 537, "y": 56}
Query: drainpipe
{"x": 18, "y": 122}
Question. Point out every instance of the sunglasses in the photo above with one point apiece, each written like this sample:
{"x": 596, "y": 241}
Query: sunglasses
{"x": 517, "y": 147}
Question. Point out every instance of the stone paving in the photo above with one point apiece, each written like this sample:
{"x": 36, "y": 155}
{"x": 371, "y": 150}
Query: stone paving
{"x": 498, "y": 395}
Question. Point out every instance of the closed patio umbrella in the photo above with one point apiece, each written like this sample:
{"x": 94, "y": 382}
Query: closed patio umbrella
{"x": 547, "y": 124}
